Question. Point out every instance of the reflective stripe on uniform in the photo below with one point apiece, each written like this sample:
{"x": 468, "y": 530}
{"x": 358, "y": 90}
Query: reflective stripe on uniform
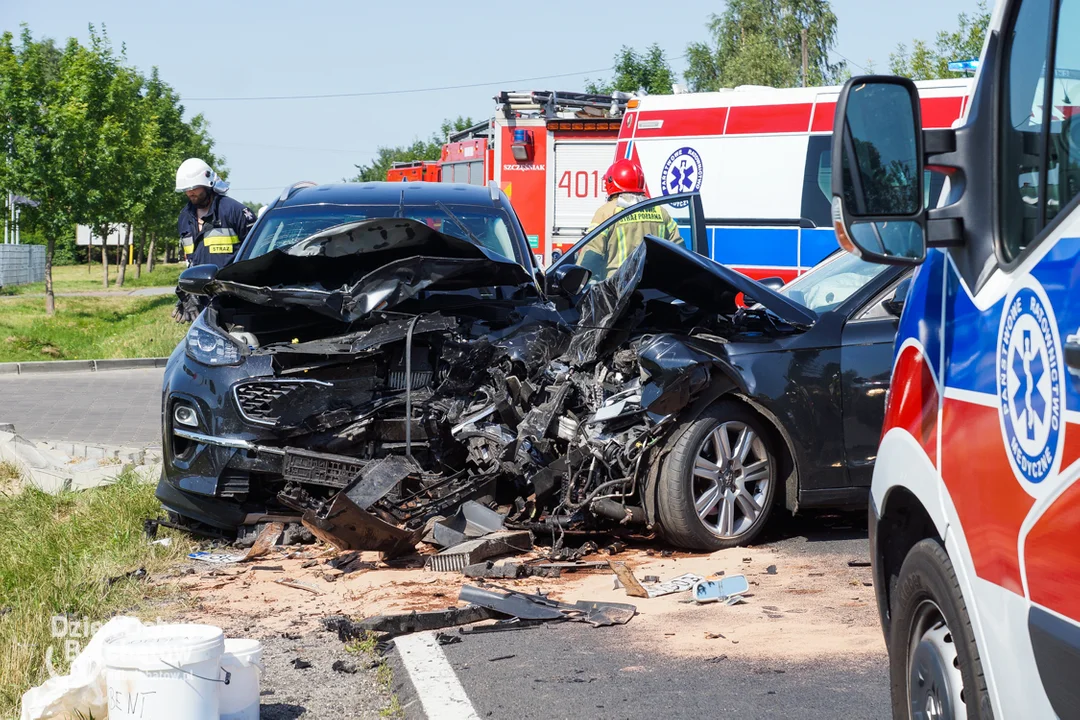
{"x": 220, "y": 241}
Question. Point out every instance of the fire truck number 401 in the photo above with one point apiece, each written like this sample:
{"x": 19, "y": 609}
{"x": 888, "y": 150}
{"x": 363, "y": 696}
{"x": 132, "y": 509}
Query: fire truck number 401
{"x": 578, "y": 184}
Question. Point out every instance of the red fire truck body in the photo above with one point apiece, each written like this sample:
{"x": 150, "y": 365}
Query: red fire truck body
{"x": 548, "y": 152}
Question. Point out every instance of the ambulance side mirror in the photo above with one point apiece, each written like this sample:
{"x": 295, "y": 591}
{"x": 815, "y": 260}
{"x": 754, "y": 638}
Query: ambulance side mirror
{"x": 877, "y": 171}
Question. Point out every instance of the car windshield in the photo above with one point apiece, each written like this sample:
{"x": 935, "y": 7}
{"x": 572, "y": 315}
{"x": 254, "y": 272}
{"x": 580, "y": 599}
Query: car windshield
{"x": 287, "y": 226}
{"x": 832, "y": 281}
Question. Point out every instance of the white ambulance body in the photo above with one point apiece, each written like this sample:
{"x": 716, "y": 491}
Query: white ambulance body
{"x": 760, "y": 158}
{"x": 975, "y": 502}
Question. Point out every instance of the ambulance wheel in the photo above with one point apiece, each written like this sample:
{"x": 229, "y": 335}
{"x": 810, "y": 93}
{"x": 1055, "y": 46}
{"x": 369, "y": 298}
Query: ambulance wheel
{"x": 717, "y": 486}
{"x": 934, "y": 664}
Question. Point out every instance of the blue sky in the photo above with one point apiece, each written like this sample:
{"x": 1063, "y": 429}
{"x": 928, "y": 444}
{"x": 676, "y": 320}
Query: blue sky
{"x": 238, "y": 48}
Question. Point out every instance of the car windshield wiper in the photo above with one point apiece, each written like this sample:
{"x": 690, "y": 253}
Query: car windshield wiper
{"x": 457, "y": 221}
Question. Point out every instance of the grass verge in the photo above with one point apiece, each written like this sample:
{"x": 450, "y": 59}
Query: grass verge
{"x": 75, "y": 278}
{"x": 384, "y": 674}
{"x": 88, "y": 328}
{"x": 57, "y": 556}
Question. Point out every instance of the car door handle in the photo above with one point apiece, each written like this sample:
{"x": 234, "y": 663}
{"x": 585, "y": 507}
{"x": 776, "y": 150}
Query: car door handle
{"x": 1072, "y": 352}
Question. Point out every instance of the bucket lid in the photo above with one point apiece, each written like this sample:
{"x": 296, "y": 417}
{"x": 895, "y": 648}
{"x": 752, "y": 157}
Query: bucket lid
{"x": 242, "y": 651}
{"x": 158, "y": 646}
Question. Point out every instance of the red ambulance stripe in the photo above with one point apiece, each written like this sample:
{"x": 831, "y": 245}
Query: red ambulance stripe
{"x": 913, "y": 401}
{"x": 703, "y": 121}
{"x": 936, "y": 113}
{"x": 1051, "y": 558}
{"x": 989, "y": 501}
{"x": 760, "y": 273}
{"x": 823, "y": 117}
{"x": 941, "y": 112}
{"x": 769, "y": 119}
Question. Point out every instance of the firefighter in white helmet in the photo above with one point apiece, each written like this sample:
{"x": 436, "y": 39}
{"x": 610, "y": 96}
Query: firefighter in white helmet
{"x": 211, "y": 225}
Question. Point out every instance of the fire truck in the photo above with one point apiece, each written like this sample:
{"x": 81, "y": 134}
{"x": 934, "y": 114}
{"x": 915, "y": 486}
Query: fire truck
{"x": 414, "y": 171}
{"x": 548, "y": 152}
{"x": 760, "y": 157}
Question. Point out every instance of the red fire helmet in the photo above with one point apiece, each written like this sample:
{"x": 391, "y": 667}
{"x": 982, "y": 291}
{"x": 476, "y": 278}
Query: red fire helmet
{"x": 624, "y": 176}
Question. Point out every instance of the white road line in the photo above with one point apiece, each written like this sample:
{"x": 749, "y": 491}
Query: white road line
{"x": 436, "y": 684}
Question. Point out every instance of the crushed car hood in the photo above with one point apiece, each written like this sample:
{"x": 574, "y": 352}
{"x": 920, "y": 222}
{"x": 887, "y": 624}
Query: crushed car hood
{"x": 349, "y": 271}
{"x": 668, "y": 269}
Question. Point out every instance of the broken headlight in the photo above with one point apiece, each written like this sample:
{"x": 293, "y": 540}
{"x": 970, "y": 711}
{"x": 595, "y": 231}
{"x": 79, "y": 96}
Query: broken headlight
{"x": 207, "y": 345}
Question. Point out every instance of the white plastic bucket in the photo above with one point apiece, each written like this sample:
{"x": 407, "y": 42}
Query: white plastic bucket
{"x": 165, "y": 672}
{"x": 243, "y": 661}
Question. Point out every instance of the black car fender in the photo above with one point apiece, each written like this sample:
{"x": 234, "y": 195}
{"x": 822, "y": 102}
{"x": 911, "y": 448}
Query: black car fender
{"x": 722, "y": 384}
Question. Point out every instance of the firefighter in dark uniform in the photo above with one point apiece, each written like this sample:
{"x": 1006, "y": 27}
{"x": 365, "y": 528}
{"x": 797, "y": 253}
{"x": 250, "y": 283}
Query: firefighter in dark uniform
{"x": 211, "y": 225}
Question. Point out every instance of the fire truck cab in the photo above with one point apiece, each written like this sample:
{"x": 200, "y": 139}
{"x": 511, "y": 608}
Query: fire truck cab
{"x": 760, "y": 158}
{"x": 975, "y": 504}
{"x": 548, "y": 152}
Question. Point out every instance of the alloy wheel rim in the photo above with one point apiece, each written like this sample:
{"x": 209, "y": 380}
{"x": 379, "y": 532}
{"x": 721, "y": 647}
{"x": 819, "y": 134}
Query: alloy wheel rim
{"x": 730, "y": 479}
{"x": 935, "y": 683}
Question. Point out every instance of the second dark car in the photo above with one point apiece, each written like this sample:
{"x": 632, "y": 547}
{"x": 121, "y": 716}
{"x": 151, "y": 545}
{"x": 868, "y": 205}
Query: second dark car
{"x": 369, "y": 365}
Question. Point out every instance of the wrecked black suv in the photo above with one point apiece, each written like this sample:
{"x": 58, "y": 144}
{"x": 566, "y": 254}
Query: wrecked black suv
{"x": 379, "y": 354}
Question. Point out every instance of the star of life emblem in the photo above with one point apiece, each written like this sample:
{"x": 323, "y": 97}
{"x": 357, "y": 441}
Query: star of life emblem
{"x": 1030, "y": 382}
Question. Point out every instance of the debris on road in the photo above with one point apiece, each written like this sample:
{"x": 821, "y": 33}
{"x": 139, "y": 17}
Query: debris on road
{"x": 300, "y": 664}
{"x": 508, "y": 571}
{"x": 858, "y": 563}
{"x": 406, "y": 623}
{"x": 771, "y": 570}
{"x": 634, "y": 588}
{"x": 298, "y": 586}
{"x": 265, "y": 542}
{"x": 710, "y": 591}
{"x": 447, "y": 639}
{"x": 471, "y": 552}
{"x": 345, "y": 667}
{"x": 501, "y": 657}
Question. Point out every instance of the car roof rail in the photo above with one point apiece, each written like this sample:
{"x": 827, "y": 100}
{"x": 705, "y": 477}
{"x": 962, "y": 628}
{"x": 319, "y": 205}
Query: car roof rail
{"x": 287, "y": 192}
{"x": 493, "y": 188}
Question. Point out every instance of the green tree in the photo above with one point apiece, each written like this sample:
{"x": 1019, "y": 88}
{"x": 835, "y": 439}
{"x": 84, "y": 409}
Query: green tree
{"x": 763, "y": 42}
{"x": 648, "y": 71}
{"x": 45, "y": 135}
{"x": 964, "y": 43}
{"x": 430, "y": 149}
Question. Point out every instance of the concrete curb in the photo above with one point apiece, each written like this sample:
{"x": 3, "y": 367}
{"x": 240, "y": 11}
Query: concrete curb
{"x": 58, "y": 467}
{"x": 51, "y": 366}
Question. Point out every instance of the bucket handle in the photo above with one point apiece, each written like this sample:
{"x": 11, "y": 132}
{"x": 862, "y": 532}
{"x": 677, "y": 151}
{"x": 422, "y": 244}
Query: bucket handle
{"x": 228, "y": 675}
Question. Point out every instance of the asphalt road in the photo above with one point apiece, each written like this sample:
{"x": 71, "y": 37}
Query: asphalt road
{"x": 574, "y": 671}
{"x": 114, "y": 407}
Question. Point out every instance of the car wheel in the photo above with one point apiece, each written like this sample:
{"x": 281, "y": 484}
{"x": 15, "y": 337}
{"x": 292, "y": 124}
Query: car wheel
{"x": 718, "y": 483}
{"x": 933, "y": 660}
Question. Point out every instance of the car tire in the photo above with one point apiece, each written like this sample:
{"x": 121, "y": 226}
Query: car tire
{"x": 715, "y": 494}
{"x": 934, "y": 664}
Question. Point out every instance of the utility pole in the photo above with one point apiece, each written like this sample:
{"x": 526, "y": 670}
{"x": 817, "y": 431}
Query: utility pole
{"x": 805, "y": 58}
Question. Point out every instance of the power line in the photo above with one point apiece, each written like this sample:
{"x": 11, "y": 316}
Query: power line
{"x": 409, "y": 91}
{"x": 293, "y": 147}
{"x": 851, "y": 62}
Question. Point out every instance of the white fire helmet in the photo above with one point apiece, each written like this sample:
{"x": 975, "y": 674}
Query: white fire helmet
{"x": 194, "y": 173}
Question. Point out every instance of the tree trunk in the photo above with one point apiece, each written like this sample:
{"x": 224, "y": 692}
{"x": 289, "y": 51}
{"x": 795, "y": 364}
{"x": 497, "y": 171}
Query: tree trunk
{"x": 124, "y": 251}
{"x": 105, "y": 263}
{"x": 150, "y": 253}
{"x": 90, "y": 256}
{"x": 139, "y": 253}
{"x": 50, "y": 298}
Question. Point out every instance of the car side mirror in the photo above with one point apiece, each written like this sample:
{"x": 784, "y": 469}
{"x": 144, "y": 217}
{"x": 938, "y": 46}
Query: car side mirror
{"x": 569, "y": 280}
{"x": 773, "y": 283}
{"x": 877, "y": 171}
{"x": 195, "y": 279}
{"x": 895, "y": 304}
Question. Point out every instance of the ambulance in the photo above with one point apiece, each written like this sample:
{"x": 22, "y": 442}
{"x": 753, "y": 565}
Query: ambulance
{"x": 760, "y": 158}
{"x": 975, "y": 504}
